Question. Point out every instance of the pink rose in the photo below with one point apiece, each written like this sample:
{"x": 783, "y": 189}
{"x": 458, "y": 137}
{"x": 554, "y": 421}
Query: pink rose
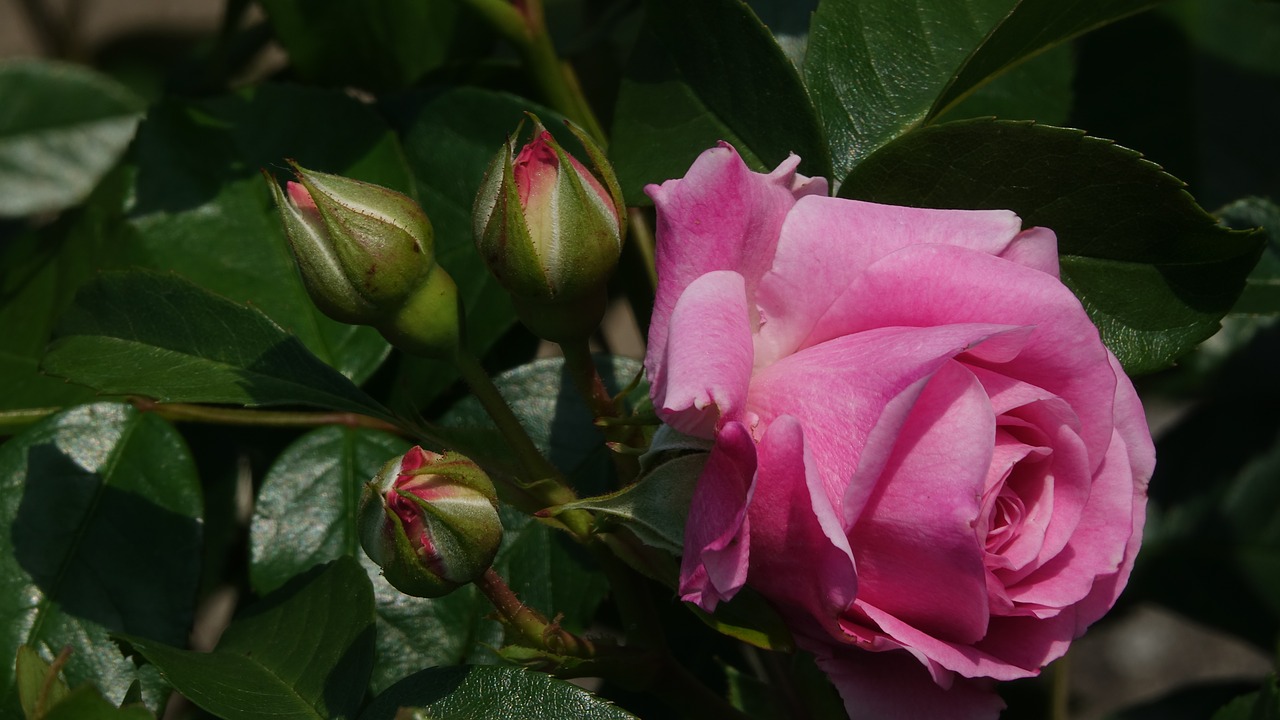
{"x": 924, "y": 456}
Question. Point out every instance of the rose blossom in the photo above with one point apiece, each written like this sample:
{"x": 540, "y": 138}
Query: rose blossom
{"x": 923, "y": 456}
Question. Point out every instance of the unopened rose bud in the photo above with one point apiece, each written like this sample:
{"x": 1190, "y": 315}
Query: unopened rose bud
{"x": 366, "y": 257}
{"x": 430, "y": 522}
{"x": 551, "y": 231}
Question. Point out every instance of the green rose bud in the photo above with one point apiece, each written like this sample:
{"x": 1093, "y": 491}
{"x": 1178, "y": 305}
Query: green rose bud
{"x": 430, "y": 522}
{"x": 366, "y": 257}
{"x": 551, "y": 231}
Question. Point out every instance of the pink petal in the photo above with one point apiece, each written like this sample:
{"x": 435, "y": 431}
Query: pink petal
{"x": 852, "y": 394}
{"x": 893, "y": 686}
{"x": 1132, "y": 432}
{"x": 918, "y": 554}
{"x": 717, "y": 533}
{"x": 704, "y": 373}
{"x": 719, "y": 216}
{"x": 827, "y": 242}
{"x": 1036, "y": 248}
{"x": 800, "y": 557}
{"x": 935, "y": 285}
{"x": 963, "y": 658}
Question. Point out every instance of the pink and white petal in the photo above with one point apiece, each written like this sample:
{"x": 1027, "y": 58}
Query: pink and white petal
{"x": 1035, "y": 248}
{"x": 703, "y": 375}
{"x": 918, "y": 554}
{"x": 718, "y": 533}
{"x": 893, "y": 686}
{"x": 827, "y": 242}
{"x": 719, "y": 216}
{"x": 845, "y": 390}
{"x": 800, "y": 558}
{"x": 932, "y": 285}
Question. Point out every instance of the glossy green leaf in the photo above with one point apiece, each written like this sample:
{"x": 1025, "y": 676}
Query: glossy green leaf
{"x": 99, "y": 532}
{"x": 202, "y": 208}
{"x": 304, "y": 651}
{"x": 1039, "y": 89}
{"x": 86, "y": 704}
{"x": 655, "y": 507}
{"x": 878, "y": 68}
{"x": 1154, "y": 271}
{"x": 62, "y": 127}
{"x": 551, "y": 410}
{"x": 492, "y": 693}
{"x": 685, "y": 89}
{"x": 40, "y": 272}
{"x": 450, "y": 137}
{"x": 306, "y": 514}
{"x": 376, "y": 44}
{"x": 1031, "y": 27}
{"x": 156, "y": 335}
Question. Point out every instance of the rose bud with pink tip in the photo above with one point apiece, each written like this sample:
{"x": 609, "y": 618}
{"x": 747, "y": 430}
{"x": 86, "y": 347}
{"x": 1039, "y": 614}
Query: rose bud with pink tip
{"x": 431, "y": 522}
{"x": 550, "y": 231}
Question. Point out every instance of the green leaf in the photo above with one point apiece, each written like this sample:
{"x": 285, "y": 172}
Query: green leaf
{"x": 749, "y": 618}
{"x": 40, "y": 272}
{"x": 450, "y": 137}
{"x": 158, "y": 335}
{"x": 1039, "y": 89}
{"x": 492, "y": 693}
{"x": 376, "y": 44}
{"x": 86, "y": 704}
{"x": 655, "y": 507}
{"x": 304, "y": 651}
{"x": 99, "y": 532}
{"x": 1261, "y": 705}
{"x": 1261, "y": 294}
{"x": 202, "y": 208}
{"x": 40, "y": 685}
{"x": 62, "y": 127}
{"x": 1153, "y": 270}
{"x": 686, "y": 88}
{"x": 1031, "y": 27}
{"x": 551, "y": 410}
{"x": 306, "y": 514}
{"x": 878, "y": 68}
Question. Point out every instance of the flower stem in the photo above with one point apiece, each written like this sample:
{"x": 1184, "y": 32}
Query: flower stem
{"x": 1060, "y": 692}
{"x": 582, "y": 369}
{"x": 532, "y": 626}
{"x": 527, "y": 31}
{"x": 542, "y": 479}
